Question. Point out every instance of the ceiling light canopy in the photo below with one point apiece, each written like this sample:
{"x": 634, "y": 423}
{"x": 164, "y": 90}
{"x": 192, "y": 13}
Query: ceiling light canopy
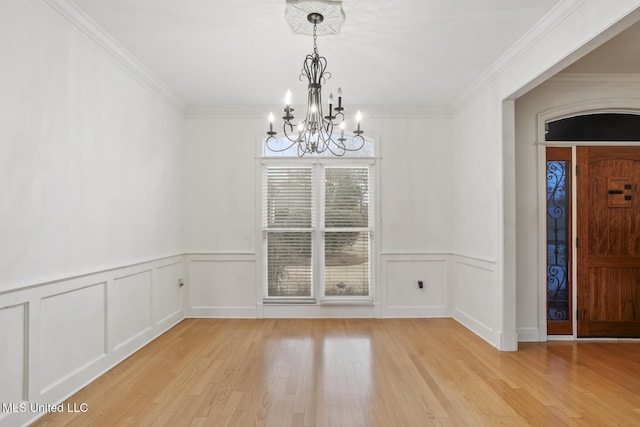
{"x": 315, "y": 133}
{"x": 297, "y": 12}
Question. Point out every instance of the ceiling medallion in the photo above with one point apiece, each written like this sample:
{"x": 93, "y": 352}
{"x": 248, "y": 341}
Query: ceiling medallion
{"x": 297, "y": 12}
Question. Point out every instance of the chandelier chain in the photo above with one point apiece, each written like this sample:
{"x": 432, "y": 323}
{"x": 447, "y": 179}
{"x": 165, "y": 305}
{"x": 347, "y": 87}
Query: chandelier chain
{"x": 315, "y": 38}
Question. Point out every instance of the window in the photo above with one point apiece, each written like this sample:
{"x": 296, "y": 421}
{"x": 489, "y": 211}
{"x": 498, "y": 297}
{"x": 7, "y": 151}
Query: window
{"x": 346, "y": 231}
{"x": 558, "y": 175}
{"x": 595, "y": 127}
{"x": 289, "y": 220}
{"x": 317, "y": 229}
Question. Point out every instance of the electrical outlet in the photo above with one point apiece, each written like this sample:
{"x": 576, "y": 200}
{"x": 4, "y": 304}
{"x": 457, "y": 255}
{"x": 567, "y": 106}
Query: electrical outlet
{"x": 420, "y": 284}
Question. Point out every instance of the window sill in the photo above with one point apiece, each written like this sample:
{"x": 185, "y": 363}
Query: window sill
{"x": 327, "y": 301}
{"x": 276, "y": 300}
{"x": 346, "y": 301}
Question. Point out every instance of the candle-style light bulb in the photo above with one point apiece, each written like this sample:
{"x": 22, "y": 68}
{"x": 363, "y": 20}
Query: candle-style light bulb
{"x": 287, "y": 106}
{"x": 330, "y": 116}
{"x": 358, "y": 117}
{"x": 271, "y": 133}
{"x": 342, "y": 129}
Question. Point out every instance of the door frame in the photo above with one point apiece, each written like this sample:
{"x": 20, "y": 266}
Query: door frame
{"x": 577, "y": 109}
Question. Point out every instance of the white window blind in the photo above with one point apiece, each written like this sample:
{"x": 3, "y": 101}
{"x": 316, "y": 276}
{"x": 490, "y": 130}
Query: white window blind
{"x": 347, "y": 232}
{"x": 288, "y": 198}
{"x": 329, "y": 257}
{"x": 288, "y": 218}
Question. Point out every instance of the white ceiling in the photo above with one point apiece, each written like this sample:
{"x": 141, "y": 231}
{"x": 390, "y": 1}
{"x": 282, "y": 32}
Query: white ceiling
{"x": 390, "y": 52}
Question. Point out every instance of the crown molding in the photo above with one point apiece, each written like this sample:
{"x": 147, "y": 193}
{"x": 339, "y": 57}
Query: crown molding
{"x": 579, "y": 79}
{"x": 78, "y": 18}
{"x": 229, "y": 111}
{"x": 554, "y": 18}
{"x": 406, "y": 111}
{"x": 368, "y": 111}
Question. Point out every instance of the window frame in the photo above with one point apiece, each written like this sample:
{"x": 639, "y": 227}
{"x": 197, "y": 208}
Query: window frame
{"x": 318, "y": 166}
{"x": 563, "y": 154}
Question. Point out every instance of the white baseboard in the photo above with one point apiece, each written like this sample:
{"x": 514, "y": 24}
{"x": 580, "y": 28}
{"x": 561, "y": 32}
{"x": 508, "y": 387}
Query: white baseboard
{"x": 223, "y": 312}
{"x": 528, "y": 334}
{"x": 416, "y": 312}
{"x": 290, "y": 311}
{"x": 483, "y": 331}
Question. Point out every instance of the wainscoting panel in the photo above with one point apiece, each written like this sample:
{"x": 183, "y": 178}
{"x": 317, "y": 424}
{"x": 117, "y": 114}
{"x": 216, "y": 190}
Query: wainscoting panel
{"x": 476, "y": 296}
{"x": 222, "y": 285}
{"x": 129, "y": 307}
{"x": 72, "y": 332}
{"x": 58, "y": 336}
{"x": 166, "y": 293}
{"x": 13, "y": 369}
{"x": 401, "y": 294}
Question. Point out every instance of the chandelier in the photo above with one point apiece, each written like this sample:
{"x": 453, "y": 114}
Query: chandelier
{"x": 315, "y": 133}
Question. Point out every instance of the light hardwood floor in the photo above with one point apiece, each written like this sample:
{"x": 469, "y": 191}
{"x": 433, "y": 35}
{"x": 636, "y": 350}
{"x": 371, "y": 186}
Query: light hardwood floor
{"x": 359, "y": 372}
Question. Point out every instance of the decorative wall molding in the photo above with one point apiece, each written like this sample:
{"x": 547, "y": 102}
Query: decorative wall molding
{"x": 205, "y": 256}
{"x": 72, "y": 13}
{"x": 400, "y": 295}
{"x": 63, "y": 334}
{"x": 474, "y": 262}
{"x": 475, "y": 291}
{"x": 127, "y": 307}
{"x": 221, "y": 285}
{"x": 68, "y": 278}
{"x": 576, "y": 79}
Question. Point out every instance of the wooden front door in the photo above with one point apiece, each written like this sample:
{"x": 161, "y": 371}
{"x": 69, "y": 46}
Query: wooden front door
{"x": 608, "y": 249}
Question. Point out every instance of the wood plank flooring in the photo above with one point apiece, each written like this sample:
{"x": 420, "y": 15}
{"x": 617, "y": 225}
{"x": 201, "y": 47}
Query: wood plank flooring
{"x": 359, "y": 372}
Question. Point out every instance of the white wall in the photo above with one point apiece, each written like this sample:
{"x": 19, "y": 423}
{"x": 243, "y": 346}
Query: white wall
{"x": 221, "y": 190}
{"x": 483, "y": 154}
{"x": 88, "y": 160}
{"x": 220, "y": 176}
{"x": 90, "y": 213}
{"x": 476, "y": 215}
{"x": 564, "y": 94}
